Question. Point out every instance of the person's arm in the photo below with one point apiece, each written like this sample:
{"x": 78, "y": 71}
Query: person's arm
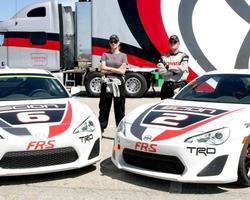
{"x": 183, "y": 67}
{"x": 105, "y": 69}
{"x": 162, "y": 67}
{"x": 120, "y": 70}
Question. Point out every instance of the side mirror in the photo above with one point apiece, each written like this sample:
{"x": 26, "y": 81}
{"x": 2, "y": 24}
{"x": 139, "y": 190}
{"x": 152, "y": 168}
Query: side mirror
{"x": 74, "y": 91}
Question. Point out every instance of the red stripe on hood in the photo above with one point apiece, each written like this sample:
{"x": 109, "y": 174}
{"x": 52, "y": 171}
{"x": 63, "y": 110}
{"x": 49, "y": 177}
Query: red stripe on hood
{"x": 173, "y": 133}
{"x": 60, "y": 128}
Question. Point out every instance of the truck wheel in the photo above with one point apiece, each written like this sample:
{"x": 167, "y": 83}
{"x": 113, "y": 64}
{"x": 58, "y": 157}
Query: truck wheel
{"x": 93, "y": 84}
{"x": 244, "y": 165}
{"x": 135, "y": 85}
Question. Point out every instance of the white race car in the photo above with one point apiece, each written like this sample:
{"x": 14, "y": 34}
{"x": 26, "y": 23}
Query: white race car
{"x": 43, "y": 129}
{"x": 201, "y": 135}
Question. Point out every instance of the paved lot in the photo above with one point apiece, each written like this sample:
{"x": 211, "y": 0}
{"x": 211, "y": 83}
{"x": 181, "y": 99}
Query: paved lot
{"x": 104, "y": 181}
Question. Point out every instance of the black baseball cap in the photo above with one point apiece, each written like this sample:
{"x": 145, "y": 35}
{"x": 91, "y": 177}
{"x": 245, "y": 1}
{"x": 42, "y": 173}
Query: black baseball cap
{"x": 174, "y": 38}
{"x": 114, "y": 37}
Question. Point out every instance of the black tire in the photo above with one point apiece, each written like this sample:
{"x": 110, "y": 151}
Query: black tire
{"x": 244, "y": 165}
{"x": 93, "y": 83}
{"x": 135, "y": 85}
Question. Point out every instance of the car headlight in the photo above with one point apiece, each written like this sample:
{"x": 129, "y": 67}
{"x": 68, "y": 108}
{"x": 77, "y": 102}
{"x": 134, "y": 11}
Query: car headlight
{"x": 1, "y": 137}
{"x": 215, "y": 137}
{"x": 87, "y": 126}
{"x": 121, "y": 127}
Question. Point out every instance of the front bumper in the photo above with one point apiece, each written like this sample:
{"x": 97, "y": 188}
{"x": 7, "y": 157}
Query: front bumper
{"x": 178, "y": 161}
{"x": 32, "y": 156}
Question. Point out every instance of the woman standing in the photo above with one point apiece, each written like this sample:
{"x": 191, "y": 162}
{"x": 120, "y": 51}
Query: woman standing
{"x": 113, "y": 66}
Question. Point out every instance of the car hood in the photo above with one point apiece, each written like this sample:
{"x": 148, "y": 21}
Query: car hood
{"x": 173, "y": 118}
{"x": 45, "y": 118}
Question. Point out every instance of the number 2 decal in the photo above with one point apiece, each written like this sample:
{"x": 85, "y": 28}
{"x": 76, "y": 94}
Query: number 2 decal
{"x": 169, "y": 119}
{"x": 27, "y": 117}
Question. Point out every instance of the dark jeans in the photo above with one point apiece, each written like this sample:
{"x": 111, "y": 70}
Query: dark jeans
{"x": 105, "y": 105}
{"x": 168, "y": 87}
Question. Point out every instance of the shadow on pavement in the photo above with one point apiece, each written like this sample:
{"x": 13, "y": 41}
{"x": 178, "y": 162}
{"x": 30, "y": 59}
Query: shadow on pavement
{"x": 149, "y": 94}
{"x": 109, "y": 169}
{"x": 28, "y": 179}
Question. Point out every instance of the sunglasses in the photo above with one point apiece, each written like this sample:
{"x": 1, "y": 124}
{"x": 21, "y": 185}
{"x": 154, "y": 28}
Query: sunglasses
{"x": 172, "y": 42}
{"x": 113, "y": 42}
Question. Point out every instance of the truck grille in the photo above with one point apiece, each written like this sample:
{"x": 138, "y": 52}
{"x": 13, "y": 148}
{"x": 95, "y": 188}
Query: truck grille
{"x": 38, "y": 158}
{"x": 155, "y": 162}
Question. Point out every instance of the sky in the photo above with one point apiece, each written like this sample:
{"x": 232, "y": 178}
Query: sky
{"x": 10, "y": 7}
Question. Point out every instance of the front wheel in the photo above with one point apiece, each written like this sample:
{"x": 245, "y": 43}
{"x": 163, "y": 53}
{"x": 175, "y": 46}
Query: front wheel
{"x": 135, "y": 85}
{"x": 244, "y": 165}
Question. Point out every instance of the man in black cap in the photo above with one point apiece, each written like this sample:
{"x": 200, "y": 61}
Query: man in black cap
{"x": 173, "y": 67}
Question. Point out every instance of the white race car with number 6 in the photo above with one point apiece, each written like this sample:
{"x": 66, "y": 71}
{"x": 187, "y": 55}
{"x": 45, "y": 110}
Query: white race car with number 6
{"x": 43, "y": 129}
{"x": 201, "y": 135}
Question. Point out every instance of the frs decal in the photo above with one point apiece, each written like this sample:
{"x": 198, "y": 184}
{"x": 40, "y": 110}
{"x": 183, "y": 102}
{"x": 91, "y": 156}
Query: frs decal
{"x": 142, "y": 146}
{"x": 201, "y": 150}
{"x": 40, "y": 145}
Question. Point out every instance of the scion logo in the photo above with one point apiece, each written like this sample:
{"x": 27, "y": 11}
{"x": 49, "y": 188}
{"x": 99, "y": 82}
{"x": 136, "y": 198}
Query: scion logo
{"x": 86, "y": 138}
{"x": 147, "y": 138}
{"x": 201, "y": 150}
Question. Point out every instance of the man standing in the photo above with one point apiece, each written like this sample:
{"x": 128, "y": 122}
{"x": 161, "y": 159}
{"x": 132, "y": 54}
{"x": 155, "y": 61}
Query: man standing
{"x": 173, "y": 67}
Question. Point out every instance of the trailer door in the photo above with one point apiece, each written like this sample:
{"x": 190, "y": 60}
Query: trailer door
{"x": 3, "y": 49}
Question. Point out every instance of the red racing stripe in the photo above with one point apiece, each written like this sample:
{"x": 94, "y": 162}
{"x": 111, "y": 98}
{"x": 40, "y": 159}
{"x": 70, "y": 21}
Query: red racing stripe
{"x": 25, "y": 42}
{"x": 174, "y": 133}
{"x": 151, "y": 19}
{"x": 60, "y": 128}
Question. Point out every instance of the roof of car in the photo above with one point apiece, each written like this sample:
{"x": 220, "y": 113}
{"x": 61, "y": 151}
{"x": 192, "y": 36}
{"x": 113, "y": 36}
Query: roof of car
{"x": 231, "y": 71}
{"x": 24, "y": 71}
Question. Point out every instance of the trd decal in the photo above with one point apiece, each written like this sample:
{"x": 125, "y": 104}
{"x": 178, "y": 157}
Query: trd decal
{"x": 86, "y": 138}
{"x": 201, "y": 151}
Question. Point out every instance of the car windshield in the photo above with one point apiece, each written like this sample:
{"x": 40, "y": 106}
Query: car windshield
{"x": 221, "y": 88}
{"x": 29, "y": 87}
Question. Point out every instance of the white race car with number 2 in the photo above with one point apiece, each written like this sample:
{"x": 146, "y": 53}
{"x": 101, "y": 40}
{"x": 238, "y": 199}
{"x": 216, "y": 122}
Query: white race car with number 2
{"x": 201, "y": 135}
{"x": 43, "y": 129}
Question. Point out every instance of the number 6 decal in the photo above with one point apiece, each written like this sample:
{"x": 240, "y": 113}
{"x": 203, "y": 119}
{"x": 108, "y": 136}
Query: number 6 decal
{"x": 169, "y": 119}
{"x": 26, "y": 117}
